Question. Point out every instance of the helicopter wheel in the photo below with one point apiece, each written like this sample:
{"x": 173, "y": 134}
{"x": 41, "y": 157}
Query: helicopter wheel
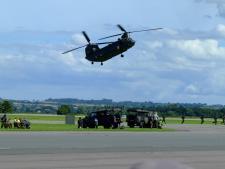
{"x": 92, "y": 62}
{"x": 101, "y": 63}
{"x": 122, "y": 55}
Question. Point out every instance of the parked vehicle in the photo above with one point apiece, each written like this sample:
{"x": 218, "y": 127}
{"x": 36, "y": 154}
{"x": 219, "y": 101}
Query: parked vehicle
{"x": 142, "y": 119}
{"x": 105, "y": 118}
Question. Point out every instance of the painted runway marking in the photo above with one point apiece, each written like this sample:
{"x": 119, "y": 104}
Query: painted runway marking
{"x": 4, "y": 148}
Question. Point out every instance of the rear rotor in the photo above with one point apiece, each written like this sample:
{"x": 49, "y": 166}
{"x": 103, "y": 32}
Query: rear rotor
{"x": 125, "y": 33}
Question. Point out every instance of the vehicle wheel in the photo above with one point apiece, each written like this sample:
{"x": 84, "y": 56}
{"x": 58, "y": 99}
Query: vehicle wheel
{"x": 131, "y": 125}
{"x": 107, "y": 126}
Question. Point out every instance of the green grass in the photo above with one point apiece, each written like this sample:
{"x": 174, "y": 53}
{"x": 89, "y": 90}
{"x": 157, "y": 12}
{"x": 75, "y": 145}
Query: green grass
{"x": 40, "y": 117}
{"x": 64, "y": 127}
{"x": 191, "y": 121}
{"x": 37, "y": 117}
{"x": 176, "y": 120}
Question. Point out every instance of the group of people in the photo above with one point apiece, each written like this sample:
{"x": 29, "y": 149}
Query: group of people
{"x": 16, "y": 123}
{"x": 214, "y": 120}
{"x": 202, "y": 119}
{"x": 21, "y": 123}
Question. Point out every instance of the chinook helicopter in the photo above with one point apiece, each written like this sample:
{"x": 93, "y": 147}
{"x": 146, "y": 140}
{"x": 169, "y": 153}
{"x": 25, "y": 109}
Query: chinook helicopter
{"x": 112, "y": 49}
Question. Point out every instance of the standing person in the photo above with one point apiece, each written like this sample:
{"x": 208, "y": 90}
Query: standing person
{"x": 146, "y": 120}
{"x": 8, "y": 124}
{"x": 223, "y": 119}
{"x": 79, "y": 123}
{"x": 215, "y": 120}
{"x": 182, "y": 119}
{"x": 150, "y": 117}
{"x": 3, "y": 120}
{"x": 164, "y": 119}
{"x": 202, "y": 119}
{"x": 96, "y": 123}
{"x": 155, "y": 120}
{"x": 15, "y": 123}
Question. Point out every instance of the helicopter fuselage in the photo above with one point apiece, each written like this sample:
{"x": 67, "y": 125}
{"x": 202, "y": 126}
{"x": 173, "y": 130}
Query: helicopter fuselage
{"x": 96, "y": 54}
{"x": 112, "y": 49}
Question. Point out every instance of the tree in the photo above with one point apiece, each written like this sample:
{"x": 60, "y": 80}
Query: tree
{"x": 64, "y": 109}
{"x": 6, "y": 107}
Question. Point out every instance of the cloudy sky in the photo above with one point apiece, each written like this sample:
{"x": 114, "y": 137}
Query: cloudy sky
{"x": 184, "y": 62}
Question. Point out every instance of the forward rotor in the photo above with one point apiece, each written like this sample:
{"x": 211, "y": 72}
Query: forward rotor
{"x": 88, "y": 40}
{"x": 86, "y": 36}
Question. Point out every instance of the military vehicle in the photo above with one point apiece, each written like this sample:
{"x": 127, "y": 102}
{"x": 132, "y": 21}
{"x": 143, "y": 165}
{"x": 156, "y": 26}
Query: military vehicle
{"x": 105, "y": 118}
{"x": 142, "y": 119}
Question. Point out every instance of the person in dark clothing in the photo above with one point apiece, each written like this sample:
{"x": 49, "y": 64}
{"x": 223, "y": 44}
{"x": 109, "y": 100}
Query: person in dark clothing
{"x": 3, "y": 120}
{"x": 25, "y": 124}
{"x": 223, "y": 119}
{"x": 164, "y": 119}
{"x": 85, "y": 122}
{"x": 182, "y": 119}
{"x": 79, "y": 123}
{"x": 215, "y": 120}
{"x": 202, "y": 119}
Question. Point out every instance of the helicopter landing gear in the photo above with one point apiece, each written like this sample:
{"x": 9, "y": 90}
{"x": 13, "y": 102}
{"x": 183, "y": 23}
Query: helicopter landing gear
{"x": 92, "y": 62}
{"x": 101, "y": 63}
{"x": 122, "y": 55}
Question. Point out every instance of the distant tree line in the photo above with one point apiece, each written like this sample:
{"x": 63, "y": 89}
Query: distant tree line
{"x": 173, "y": 110}
{"x": 170, "y": 110}
{"x": 167, "y": 109}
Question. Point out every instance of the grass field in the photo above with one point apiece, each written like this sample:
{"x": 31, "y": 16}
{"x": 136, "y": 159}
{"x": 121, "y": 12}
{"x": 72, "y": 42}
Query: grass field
{"x": 38, "y": 117}
{"x": 46, "y": 123}
{"x": 191, "y": 121}
{"x": 175, "y": 120}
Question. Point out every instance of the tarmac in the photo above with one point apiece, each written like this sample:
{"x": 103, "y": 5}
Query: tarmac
{"x": 197, "y": 146}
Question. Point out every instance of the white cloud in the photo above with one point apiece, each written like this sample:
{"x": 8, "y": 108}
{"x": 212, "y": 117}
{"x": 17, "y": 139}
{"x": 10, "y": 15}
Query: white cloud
{"x": 192, "y": 89}
{"x": 79, "y": 39}
{"x": 216, "y": 80}
{"x": 169, "y": 31}
{"x": 221, "y": 29}
{"x": 200, "y": 49}
{"x": 219, "y": 3}
{"x": 155, "y": 44}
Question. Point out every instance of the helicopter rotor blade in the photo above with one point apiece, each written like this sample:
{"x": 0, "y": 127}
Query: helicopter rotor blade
{"x": 86, "y": 36}
{"x": 73, "y": 49}
{"x": 111, "y": 36}
{"x": 145, "y": 30}
{"x": 102, "y": 43}
{"x": 121, "y": 28}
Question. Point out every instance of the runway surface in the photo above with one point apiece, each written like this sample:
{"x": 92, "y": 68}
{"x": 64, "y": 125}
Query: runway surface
{"x": 197, "y": 146}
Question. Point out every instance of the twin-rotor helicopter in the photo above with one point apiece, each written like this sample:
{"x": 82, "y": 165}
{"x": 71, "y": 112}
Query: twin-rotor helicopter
{"x": 96, "y": 54}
